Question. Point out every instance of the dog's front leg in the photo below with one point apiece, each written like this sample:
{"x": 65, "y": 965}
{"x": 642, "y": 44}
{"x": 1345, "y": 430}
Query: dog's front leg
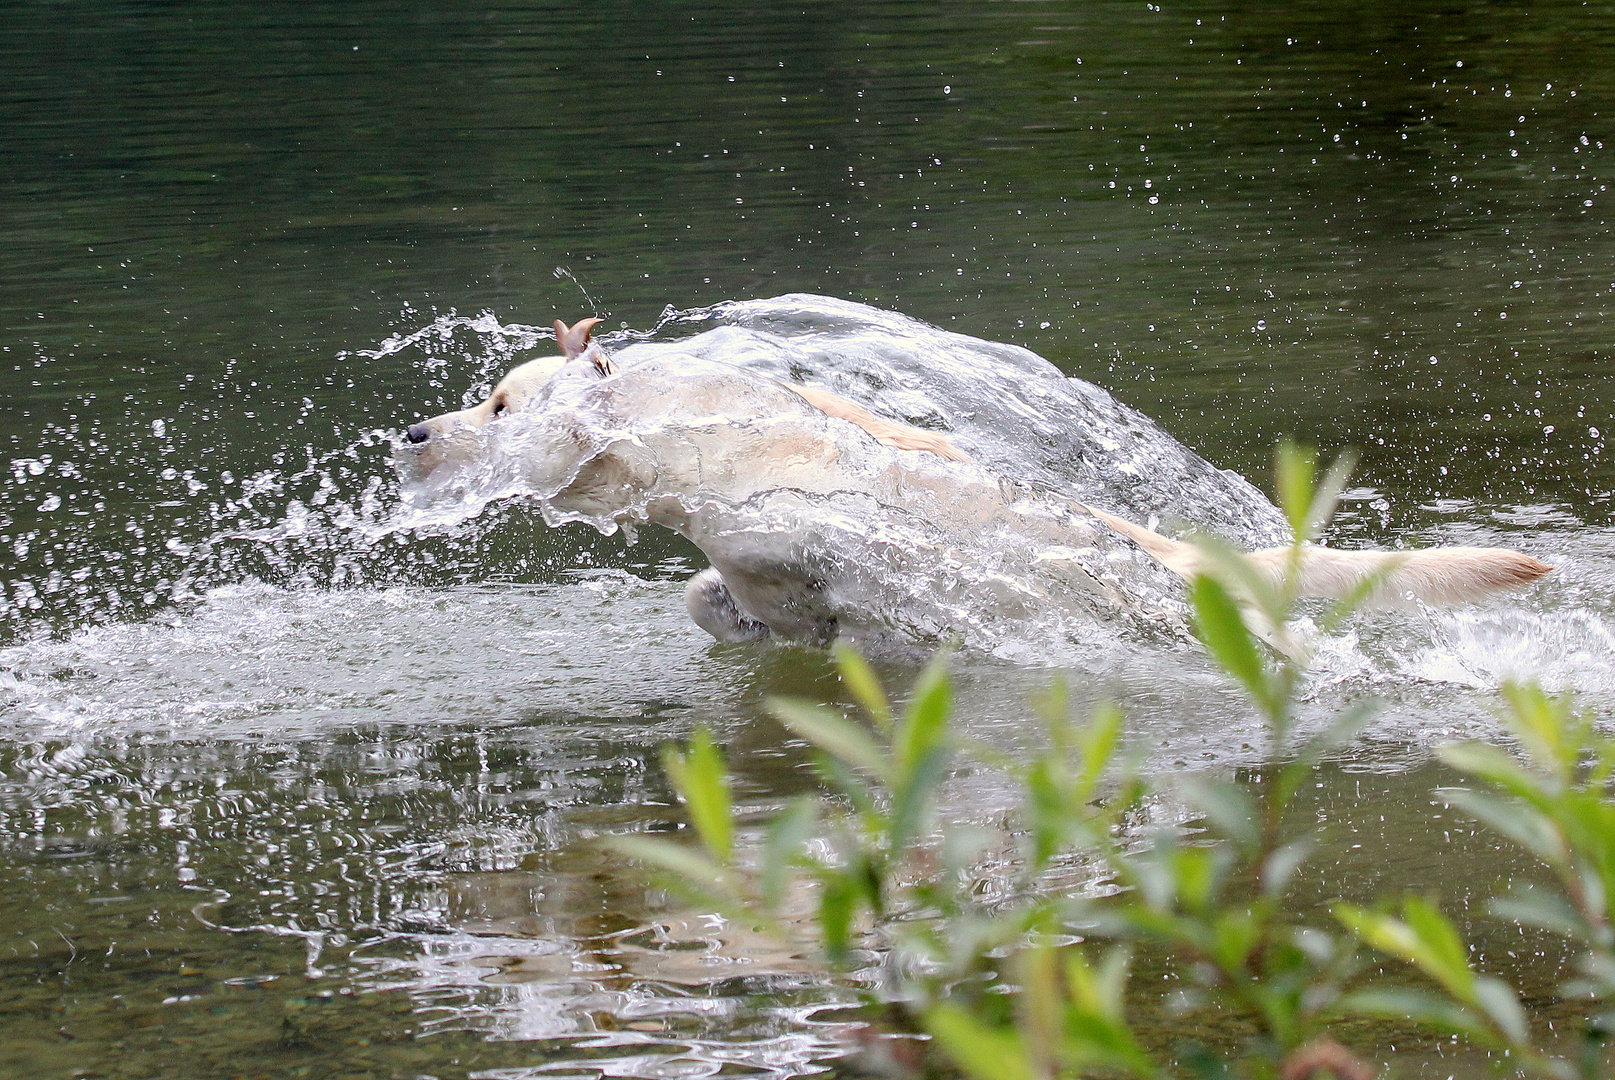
{"x": 712, "y": 606}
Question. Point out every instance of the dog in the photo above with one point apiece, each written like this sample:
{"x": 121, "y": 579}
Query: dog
{"x": 576, "y": 344}
{"x": 820, "y": 518}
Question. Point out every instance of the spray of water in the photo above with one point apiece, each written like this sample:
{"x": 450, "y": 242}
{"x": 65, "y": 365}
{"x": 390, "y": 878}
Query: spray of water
{"x": 566, "y": 272}
{"x": 120, "y": 529}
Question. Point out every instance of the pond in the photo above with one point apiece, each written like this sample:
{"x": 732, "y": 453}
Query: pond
{"x": 293, "y": 784}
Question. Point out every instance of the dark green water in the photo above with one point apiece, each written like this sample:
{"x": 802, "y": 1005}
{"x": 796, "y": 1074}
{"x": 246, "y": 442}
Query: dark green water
{"x": 192, "y": 184}
{"x": 1370, "y": 225}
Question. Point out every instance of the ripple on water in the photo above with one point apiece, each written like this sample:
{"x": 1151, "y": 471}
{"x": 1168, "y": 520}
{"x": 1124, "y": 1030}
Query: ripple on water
{"x": 372, "y": 748}
{"x": 251, "y": 658}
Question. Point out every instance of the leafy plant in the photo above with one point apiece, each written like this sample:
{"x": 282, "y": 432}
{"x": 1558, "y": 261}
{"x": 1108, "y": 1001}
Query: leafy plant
{"x": 1555, "y": 804}
{"x": 1029, "y": 982}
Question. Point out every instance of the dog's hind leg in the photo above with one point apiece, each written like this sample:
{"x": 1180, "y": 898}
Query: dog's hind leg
{"x": 714, "y": 610}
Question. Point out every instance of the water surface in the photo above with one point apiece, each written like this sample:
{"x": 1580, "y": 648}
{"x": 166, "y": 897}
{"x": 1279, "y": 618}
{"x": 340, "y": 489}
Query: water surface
{"x": 288, "y": 790}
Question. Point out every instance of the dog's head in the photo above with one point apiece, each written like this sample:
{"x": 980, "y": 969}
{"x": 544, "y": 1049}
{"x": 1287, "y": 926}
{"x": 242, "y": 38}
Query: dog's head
{"x": 458, "y": 439}
{"x": 519, "y": 387}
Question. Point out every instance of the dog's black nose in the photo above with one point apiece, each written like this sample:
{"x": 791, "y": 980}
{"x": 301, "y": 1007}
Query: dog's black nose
{"x": 417, "y": 433}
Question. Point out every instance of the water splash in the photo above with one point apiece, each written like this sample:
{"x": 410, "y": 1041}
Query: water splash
{"x": 377, "y": 717}
{"x": 1010, "y": 409}
{"x": 108, "y": 525}
{"x": 145, "y": 531}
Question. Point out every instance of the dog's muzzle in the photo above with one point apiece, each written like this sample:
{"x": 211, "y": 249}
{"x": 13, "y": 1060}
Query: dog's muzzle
{"x": 417, "y": 433}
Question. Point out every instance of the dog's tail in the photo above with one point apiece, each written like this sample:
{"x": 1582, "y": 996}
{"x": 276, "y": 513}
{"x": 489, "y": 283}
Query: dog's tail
{"x": 1180, "y": 558}
{"x": 1437, "y": 576}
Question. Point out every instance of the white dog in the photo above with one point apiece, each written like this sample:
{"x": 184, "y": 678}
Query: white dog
{"x": 820, "y": 518}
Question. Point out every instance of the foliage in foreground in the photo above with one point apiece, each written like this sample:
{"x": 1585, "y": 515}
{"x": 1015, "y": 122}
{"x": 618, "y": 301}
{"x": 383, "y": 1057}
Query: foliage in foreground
{"x": 1030, "y": 980}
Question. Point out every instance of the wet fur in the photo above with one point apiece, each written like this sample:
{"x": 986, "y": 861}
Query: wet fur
{"x": 745, "y": 602}
{"x": 1438, "y": 576}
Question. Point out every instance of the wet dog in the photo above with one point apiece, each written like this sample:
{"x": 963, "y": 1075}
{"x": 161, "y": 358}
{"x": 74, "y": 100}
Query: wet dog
{"x": 819, "y": 517}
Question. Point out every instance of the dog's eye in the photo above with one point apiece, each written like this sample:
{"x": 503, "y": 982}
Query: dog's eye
{"x": 500, "y": 408}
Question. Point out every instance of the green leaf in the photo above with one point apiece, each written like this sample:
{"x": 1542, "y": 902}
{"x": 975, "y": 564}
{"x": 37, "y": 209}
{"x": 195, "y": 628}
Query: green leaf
{"x": 864, "y": 685}
{"x": 1492, "y": 765}
{"x": 693, "y": 868}
{"x": 1340, "y": 730}
{"x": 1295, "y": 468}
{"x": 1235, "y": 934}
{"x": 1598, "y": 970}
{"x": 1037, "y": 1019}
{"x": 1359, "y": 594}
{"x": 1219, "y": 624}
{"x": 1308, "y": 502}
{"x": 787, "y": 834}
{"x": 926, "y": 720}
{"x": 1100, "y": 739}
{"x": 1552, "y": 735}
{"x": 1542, "y": 909}
{"x": 1196, "y": 874}
{"x": 1326, "y": 495}
{"x": 703, "y": 783}
{"x": 1421, "y": 1007}
{"x": 1321, "y": 947}
{"x": 1521, "y": 824}
{"x": 833, "y": 733}
{"x": 1053, "y": 707}
{"x": 1203, "y": 1063}
{"x": 1102, "y": 990}
{"x": 1282, "y": 864}
{"x": 1047, "y": 812}
{"x": 1243, "y": 579}
{"x": 912, "y": 802}
{"x": 1498, "y": 1000}
{"x": 1225, "y": 806}
{"x": 868, "y": 872}
{"x": 1441, "y": 949}
{"x": 1423, "y": 937}
{"x": 838, "y": 902}
{"x": 981, "y": 1051}
{"x": 1095, "y": 1024}
{"x": 837, "y": 775}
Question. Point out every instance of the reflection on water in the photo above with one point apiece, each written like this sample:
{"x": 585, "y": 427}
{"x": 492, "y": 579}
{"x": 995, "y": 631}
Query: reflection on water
{"x": 415, "y": 897}
{"x": 349, "y": 830}
{"x": 390, "y": 899}
{"x": 290, "y": 790}
{"x": 387, "y": 855}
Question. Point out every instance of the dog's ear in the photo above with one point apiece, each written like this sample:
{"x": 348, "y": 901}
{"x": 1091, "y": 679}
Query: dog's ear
{"x": 575, "y": 338}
